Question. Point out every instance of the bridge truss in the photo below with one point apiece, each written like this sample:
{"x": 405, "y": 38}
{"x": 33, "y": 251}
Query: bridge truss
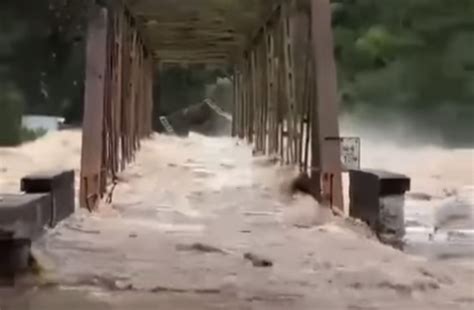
{"x": 285, "y": 85}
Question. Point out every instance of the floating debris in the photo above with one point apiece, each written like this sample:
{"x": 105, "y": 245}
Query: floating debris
{"x": 200, "y": 247}
{"x": 258, "y": 261}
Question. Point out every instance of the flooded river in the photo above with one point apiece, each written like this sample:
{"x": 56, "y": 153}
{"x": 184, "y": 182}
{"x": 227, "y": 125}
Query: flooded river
{"x": 187, "y": 212}
{"x": 439, "y": 210}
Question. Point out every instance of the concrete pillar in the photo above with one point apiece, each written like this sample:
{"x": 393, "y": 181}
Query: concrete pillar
{"x": 377, "y": 198}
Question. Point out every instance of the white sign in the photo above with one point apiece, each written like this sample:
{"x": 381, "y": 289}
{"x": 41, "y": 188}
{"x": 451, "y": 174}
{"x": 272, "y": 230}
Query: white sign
{"x": 350, "y": 153}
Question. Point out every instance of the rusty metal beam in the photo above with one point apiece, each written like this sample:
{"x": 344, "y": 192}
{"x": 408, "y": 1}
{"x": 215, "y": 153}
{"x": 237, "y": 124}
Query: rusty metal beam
{"x": 118, "y": 100}
{"x": 234, "y": 103}
{"x": 270, "y": 110}
{"x": 327, "y": 102}
{"x": 93, "y": 126}
{"x": 291, "y": 117}
{"x": 296, "y": 116}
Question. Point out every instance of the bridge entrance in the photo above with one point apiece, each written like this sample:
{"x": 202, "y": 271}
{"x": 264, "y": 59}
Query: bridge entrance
{"x": 284, "y": 76}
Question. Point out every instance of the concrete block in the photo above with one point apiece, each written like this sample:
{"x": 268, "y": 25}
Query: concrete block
{"x": 48, "y": 199}
{"x": 377, "y": 198}
{"x": 61, "y": 187}
{"x": 24, "y": 216}
{"x": 14, "y": 258}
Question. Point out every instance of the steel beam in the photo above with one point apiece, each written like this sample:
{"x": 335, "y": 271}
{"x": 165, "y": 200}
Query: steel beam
{"x": 234, "y": 102}
{"x": 327, "y": 102}
{"x": 118, "y": 99}
{"x": 93, "y": 126}
{"x": 291, "y": 112}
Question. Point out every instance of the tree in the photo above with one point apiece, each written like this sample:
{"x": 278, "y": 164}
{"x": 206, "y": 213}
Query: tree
{"x": 45, "y": 54}
{"x": 408, "y": 57}
{"x": 11, "y": 105}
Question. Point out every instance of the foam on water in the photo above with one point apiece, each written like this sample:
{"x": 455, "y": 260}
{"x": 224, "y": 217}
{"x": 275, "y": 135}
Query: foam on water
{"x": 444, "y": 176}
{"x": 441, "y": 201}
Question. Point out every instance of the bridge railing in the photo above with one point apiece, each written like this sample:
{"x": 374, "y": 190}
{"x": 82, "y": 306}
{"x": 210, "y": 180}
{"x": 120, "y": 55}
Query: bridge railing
{"x": 285, "y": 95}
{"x": 118, "y": 99}
{"x": 285, "y": 92}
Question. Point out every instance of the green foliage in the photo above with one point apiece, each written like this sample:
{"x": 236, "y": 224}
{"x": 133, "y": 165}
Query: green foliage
{"x": 411, "y": 57}
{"x": 42, "y": 53}
{"x": 11, "y": 107}
{"x": 180, "y": 86}
{"x": 415, "y": 57}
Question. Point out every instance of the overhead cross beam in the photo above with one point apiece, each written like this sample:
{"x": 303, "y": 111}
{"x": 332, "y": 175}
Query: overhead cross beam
{"x": 204, "y": 26}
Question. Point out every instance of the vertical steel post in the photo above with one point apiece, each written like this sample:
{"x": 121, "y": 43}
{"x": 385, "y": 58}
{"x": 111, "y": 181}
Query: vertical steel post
{"x": 118, "y": 39}
{"x": 273, "y": 92}
{"x": 93, "y": 125}
{"x": 289, "y": 80}
{"x": 265, "y": 91}
{"x": 327, "y": 102}
{"x": 269, "y": 90}
{"x": 241, "y": 110}
{"x": 118, "y": 99}
{"x": 254, "y": 99}
{"x": 261, "y": 84}
{"x": 250, "y": 98}
{"x": 234, "y": 103}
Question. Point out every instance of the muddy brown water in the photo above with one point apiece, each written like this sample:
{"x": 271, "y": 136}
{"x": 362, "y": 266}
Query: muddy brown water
{"x": 211, "y": 191}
